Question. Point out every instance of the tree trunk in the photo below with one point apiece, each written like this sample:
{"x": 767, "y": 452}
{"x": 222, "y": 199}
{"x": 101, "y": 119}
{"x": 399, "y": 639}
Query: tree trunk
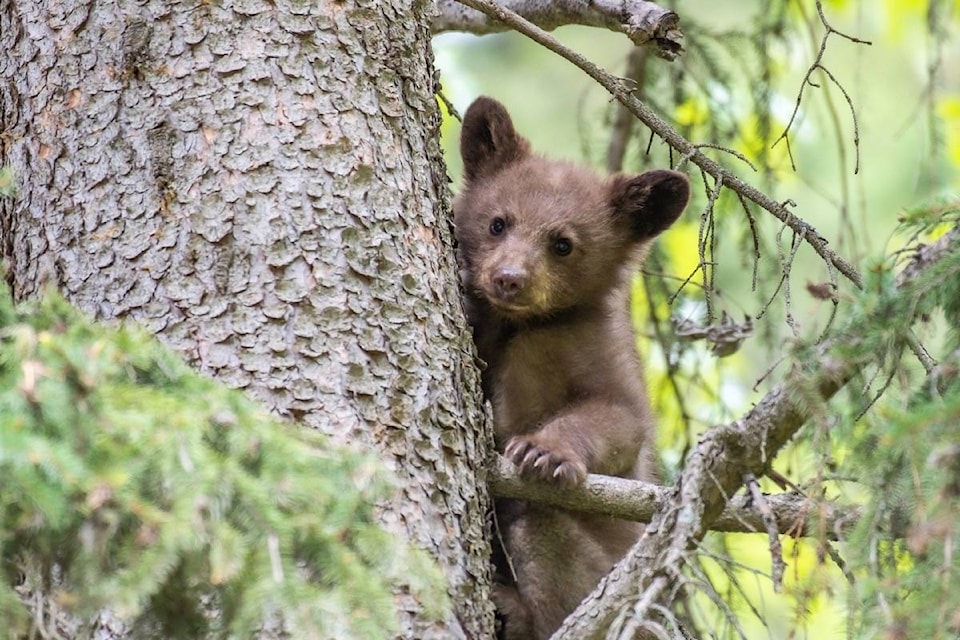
{"x": 260, "y": 183}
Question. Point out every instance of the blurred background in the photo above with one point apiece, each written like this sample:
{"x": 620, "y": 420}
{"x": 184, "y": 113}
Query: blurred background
{"x": 871, "y": 159}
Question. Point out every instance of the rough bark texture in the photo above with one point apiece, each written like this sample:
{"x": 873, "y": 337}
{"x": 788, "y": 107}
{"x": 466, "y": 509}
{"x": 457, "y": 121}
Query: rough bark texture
{"x": 260, "y": 183}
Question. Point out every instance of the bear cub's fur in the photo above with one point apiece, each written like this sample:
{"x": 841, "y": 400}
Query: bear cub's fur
{"x": 546, "y": 250}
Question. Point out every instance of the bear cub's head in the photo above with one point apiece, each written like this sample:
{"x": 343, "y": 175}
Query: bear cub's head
{"x": 538, "y": 237}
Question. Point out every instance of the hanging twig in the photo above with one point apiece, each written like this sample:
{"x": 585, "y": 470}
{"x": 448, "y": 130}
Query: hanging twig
{"x": 817, "y": 64}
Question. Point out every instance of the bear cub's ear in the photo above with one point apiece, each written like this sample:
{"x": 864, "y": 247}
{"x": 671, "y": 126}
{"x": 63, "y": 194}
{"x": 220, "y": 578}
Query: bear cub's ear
{"x": 650, "y": 202}
{"x": 488, "y": 141}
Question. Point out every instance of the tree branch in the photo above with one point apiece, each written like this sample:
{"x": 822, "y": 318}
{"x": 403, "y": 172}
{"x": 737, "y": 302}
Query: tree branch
{"x": 715, "y": 470}
{"x": 793, "y": 513}
{"x": 622, "y": 91}
{"x": 643, "y": 22}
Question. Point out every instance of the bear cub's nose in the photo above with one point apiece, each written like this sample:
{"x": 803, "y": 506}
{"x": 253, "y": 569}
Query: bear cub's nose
{"x": 509, "y": 281}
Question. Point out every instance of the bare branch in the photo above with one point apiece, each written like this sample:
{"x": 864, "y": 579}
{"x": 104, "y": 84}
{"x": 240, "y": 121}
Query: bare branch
{"x": 791, "y": 514}
{"x": 643, "y": 22}
{"x": 818, "y": 64}
{"x": 622, "y": 91}
{"x": 715, "y": 470}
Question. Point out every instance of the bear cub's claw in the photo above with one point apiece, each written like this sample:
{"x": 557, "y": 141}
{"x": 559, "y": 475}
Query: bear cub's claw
{"x": 558, "y": 465}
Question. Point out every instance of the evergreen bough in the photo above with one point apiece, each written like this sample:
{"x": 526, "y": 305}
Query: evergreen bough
{"x": 135, "y": 491}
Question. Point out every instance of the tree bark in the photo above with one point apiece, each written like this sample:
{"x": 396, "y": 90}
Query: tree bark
{"x": 260, "y": 184}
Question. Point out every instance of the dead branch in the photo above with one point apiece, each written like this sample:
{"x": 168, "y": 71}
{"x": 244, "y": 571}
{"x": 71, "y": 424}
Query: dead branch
{"x": 715, "y": 470}
{"x": 643, "y": 22}
{"x": 791, "y": 514}
{"x": 818, "y": 64}
{"x": 622, "y": 91}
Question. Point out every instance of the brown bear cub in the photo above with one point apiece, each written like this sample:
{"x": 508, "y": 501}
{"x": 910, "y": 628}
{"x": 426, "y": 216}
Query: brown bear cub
{"x": 546, "y": 250}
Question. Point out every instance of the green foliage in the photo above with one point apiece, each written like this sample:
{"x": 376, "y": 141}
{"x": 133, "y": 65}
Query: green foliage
{"x": 905, "y": 453}
{"x": 906, "y": 543}
{"x": 7, "y": 186}
{"x": 892, "y": 446}
{"x": 132, "y": 484}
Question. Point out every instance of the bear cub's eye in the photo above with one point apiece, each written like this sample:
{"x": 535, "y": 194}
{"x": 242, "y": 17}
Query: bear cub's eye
{"x": 497, "y": 226}
{"x": 562, "y": 247}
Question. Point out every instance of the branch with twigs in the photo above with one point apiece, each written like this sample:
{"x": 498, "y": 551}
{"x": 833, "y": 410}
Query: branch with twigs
{"x": 642, "y": 582}
{"x": 791, "y": 514}
{"x": 645, "y": 23}
{"x": 623, "y": 92}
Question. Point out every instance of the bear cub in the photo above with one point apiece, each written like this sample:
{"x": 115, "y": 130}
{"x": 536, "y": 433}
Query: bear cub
{"x": 546, "y": 250}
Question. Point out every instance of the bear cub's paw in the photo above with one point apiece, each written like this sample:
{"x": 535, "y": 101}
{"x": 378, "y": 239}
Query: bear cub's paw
{"x": 554, "y": 462}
